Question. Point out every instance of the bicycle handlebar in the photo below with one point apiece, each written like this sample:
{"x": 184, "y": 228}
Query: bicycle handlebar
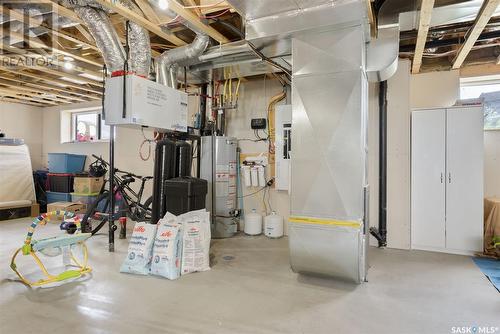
{"x": 116, "y": 169}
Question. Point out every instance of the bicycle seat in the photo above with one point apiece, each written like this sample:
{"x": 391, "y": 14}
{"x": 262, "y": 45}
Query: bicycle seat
{"x": 128, "y": 179}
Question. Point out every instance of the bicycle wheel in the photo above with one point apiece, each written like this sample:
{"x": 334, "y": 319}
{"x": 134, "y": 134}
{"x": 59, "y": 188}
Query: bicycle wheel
{"x": 96, "y": 216}
{"x": 143, "y": 213}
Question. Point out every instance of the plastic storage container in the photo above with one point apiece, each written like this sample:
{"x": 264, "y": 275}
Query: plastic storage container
{"x": 62, "y": 183}
{"x": 87, "y": 199}
{"x": 87, "y": 185}
{"x": 66, "y": 163}
{"x": 184, "y": 194}
{"x": 58, "y": 197}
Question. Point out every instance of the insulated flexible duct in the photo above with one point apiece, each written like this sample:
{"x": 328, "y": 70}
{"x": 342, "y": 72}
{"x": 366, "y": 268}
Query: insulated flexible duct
{"x": 107, "y": 39}
{"x": 167, "y": 62}
{"x": 105, "y": 36}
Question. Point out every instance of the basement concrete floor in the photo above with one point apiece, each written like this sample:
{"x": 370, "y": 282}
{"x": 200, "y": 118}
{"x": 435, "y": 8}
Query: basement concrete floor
{"x": 255, "y": 292}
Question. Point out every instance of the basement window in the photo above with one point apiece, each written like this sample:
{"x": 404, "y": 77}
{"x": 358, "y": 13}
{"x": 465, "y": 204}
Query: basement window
{"x": 487, "y": 89}
{"x": 83, "y": 126}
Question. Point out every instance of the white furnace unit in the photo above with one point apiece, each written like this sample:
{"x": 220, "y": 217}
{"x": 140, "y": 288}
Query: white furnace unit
{"x": 145, "y": 103}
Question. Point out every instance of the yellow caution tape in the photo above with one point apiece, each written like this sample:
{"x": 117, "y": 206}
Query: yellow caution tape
{"x": 305, "y": 220}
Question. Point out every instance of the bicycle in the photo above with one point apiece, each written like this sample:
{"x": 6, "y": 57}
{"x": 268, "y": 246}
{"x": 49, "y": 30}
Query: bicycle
{"x": 126, "y": 198}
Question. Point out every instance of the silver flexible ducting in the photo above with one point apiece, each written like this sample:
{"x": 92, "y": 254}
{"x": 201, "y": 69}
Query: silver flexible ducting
{"x": 167, "y": 62}
{"x": 107, "y": 39}
{"x": 139, "y": 44}
{"x": 105, "y": 36}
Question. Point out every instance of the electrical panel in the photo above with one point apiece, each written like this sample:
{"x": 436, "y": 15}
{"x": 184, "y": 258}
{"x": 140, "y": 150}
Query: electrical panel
{"x": 145, "y": 103}
{"x": 283, "y": 144}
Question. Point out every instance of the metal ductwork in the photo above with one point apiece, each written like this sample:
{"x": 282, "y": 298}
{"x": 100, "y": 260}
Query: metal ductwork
{"x": 107, "y": 39}
{"x": 105, "y": 36}
{"x": 139, "y": 44}
{"x": 167, "y": 62}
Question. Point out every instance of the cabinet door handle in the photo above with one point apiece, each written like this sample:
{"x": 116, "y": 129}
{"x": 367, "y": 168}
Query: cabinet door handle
{"x": 449, "y": 177}
{"x": 442, "y": 177}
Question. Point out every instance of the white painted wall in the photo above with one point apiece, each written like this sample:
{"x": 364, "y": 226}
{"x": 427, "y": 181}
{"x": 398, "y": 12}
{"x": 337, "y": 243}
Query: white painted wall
{"x": 126, "y": 145}
{"x": 24, "y": 121}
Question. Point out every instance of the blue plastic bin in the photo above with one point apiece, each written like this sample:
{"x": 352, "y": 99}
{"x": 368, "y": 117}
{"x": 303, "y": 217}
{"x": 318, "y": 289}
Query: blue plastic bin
{"x": 66, "y": 163}
{"x": 53, "y": 196}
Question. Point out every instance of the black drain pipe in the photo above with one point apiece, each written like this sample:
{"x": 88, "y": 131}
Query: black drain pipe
{"x": 381, "y": 233}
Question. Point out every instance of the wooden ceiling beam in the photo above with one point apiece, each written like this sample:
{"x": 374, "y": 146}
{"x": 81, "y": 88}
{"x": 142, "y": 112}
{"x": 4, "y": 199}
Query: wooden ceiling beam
{"x": 423, "y": 29}
{"x": 52, "y": 80}
{"x": 34, "y": 92}
{"x": 12, "y": 99}
{"x": 37, "y": 43}
{"x": 19, "y": 16}
{"x": 75, "y": 95}
{"x": 63, "y": 74}
{"x": 44, "y": 88}
{"x": 487, "y": 9}
{"x": 143, "y": 22}
{"x": 21, "y": 95}
{"x": 192, "y": 18}
{"x": 148, "y": 12}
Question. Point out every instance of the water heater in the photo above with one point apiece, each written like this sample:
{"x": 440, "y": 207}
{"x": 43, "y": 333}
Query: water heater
{"x": 219, "y": 168}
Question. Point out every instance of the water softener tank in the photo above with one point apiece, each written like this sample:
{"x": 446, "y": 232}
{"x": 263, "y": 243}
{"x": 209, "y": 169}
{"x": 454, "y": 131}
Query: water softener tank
{"x": 273, "y": 225}
{"x": 253, "y": 223}
{"x": 220, "y": 172}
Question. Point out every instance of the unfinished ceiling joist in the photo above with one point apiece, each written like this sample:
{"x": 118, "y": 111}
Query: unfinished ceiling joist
{"x": 423, "y": 30}
{"x": 21, "y": 95}
{"x": 52, "y": 80}
{"x": 13, "y": 99}
{"x": 37, "y": 43}
{"x": 37, "y": 87}
{"x": 189, "y": 16}
{"x": 21, "y": 17}
{"x": 138, "y": 19}
{"x": 34, "y": 92}
{"x": 487, "y": 9}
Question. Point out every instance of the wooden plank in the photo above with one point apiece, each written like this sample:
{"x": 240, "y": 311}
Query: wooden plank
{"x": 31, "y": 55}
{"x": 485, "y": 12}
{"x": 12, "y": 99}
{"x": 423, "y": 29}
{"x": 37, "y": 43}
{"x": 148, "y": 12}
{"x": 196, "y": 22}
{"x": 19, "y": 16}
{"x": 22, "y": 86}
{"x": 34, "y": 92}
{"x": 43, "y": 87}
{"x": 19, "y": 95}
{"x": 53, "y": 80}
{"x": 64, "y": 74}
{"x": 75, "y": 96}
{"x": 131, "y": 16}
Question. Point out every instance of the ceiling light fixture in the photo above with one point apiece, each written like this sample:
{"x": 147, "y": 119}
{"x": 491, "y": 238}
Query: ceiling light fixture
{"x": 163, "y": 4}
{"x": 68, "y": 65}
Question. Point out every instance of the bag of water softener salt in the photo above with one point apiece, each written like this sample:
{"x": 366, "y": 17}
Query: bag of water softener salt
{"x": 167, "y": 248}
{"x": 195, "y": 241}
{"x": 140, "y": 247}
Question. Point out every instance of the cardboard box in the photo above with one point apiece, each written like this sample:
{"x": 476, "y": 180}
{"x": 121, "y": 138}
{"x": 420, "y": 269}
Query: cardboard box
{"x": 77, "y": 208}
{"x": 35, "y": 210}
{"x": 87, "y": 185}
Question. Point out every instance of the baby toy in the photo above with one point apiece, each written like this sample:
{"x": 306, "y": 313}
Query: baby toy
{"x": 53, "y": 246}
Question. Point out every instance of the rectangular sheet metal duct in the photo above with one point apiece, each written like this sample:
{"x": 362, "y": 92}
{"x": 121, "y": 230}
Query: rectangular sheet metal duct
{"x": 329, "y": 98}
{"x": 329, "y": 190}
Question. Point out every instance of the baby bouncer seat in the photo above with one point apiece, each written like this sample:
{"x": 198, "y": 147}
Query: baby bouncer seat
{"x": 53, "y": 246}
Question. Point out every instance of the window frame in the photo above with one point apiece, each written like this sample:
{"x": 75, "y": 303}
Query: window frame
{"x": 68, "y": 125}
